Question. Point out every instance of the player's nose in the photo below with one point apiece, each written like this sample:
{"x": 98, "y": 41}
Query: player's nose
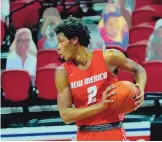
{"x": 58, "y": 48}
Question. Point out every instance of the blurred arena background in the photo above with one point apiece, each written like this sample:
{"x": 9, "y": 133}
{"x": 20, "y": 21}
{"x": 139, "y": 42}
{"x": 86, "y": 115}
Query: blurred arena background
{"x": 28, "y": 95}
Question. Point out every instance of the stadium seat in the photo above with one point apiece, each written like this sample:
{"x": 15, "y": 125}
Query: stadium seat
{"x": 25, "y": 17}
{"x": 16, "y": 84}
{"x": 137, "y": 51}
{"x": 116, "y": 47}
{"x": 123, "y": 75}
{"x": 144, "y": 14}
{"x": 140, "y": 32}
{"x": 158, "y": 8}
{"x": 68, "y": 3}
{"x": 151, "y": 23}
{"x": 45, "y": 82}
{"x": 40, "y": 43}
{"x": 2, "y": 32}
{"x": 47, "y": 56}
{"x": 141, "y": 3}
{"x": 154, "y": 76}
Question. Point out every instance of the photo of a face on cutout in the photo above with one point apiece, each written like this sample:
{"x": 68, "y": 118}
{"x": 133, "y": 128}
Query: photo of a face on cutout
{"x": 113, "y": 27}
{"x": 51, "y": 38}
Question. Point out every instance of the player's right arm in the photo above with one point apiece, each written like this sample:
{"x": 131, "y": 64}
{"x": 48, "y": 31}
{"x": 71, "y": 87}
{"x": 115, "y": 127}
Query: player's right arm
{"x": 64, "y": 100}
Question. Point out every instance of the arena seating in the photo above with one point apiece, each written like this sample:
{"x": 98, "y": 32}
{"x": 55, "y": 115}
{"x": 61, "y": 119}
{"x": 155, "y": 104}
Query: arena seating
{"x": 40, "y": 43}
{"x": 135, "y": 33}
{"x": 154, "y": 76}
{"x": 137, "y": 51}
{"x": 29, "y": 12}
{"x": 16, "y": 84}
{"x": 141, "y": 3}
{"x": 144, "y": 14}
{"x": 123, "y": 75}
{"x": 2, "y": 32}
{"x": 45, "y": 82}
{"x": 47, "y": 56}
{"x": 69, "y": 6}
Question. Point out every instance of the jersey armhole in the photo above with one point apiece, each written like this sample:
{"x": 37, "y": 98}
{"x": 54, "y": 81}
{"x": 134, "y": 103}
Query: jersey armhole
{"x": 100, "y": 55}
{"x": 67, "y": 69}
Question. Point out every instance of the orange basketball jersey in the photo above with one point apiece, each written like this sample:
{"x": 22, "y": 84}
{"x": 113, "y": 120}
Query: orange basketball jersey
{"x": 88, "y": 85}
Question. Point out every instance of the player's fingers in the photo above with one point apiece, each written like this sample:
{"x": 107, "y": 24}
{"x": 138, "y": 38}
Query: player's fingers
{"x": 109, "y": 95}
{"x": 137, "y": 86}
{"x": 140, "y": 97}
{"x": 137, "y": 107}
{"x": 108, "y": 101}
{"x": 106, "y": 96}
{"x": 109, "y": 88}
{"x": 137, "y": 102}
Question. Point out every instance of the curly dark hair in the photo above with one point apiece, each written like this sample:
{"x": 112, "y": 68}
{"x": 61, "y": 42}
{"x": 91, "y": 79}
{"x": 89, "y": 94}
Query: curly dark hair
{"x": 74, "y": 27}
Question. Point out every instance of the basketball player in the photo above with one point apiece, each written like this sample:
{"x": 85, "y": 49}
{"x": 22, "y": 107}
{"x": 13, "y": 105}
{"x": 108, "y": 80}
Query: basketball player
{"x": 85, "y": 80}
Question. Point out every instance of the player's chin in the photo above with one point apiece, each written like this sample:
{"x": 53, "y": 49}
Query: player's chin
{"x": 61, "y": 59}
{"x": 64, "y": 59}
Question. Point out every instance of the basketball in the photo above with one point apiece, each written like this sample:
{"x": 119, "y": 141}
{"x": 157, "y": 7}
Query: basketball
{"x": 124, "y": 99}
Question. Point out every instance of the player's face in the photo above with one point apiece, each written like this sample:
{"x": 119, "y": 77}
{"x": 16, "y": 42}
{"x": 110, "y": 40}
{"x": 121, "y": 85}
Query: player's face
{"x": 22, "y": 44}
{"x": 66, "y": 48}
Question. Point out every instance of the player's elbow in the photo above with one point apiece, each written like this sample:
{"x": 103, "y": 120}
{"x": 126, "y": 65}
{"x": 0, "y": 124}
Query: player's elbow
{"x": 140, "y": 72}
{"x": 66, "y": 118}
{"x": 140, "y": 69}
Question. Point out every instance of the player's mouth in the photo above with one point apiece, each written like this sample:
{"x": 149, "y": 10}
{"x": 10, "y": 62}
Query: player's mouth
{"x": 62, "y": 57}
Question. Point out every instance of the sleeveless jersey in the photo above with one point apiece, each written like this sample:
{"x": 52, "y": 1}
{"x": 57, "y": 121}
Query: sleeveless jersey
{"x": 88, "y": 85}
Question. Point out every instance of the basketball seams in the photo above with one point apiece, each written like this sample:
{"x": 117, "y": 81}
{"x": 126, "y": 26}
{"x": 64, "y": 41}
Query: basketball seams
{"x": 117, "y": 93}
{"x": 124, "y": 101}
{"x": 129, "y": 94}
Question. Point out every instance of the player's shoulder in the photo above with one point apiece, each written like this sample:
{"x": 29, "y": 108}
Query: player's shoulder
{"x": 113, "y": 55}
{"x": 61, "y": 71}
{"x": 61, "y": 78}
{"x": 61, "y": 67}
{"x": 111, "y": 52}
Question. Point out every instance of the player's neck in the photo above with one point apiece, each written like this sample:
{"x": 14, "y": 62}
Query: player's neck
{"x": 83, "y": 56}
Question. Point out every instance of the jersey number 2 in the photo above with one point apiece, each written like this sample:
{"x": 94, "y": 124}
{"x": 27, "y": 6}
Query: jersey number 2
{"x": 92, "y": 92}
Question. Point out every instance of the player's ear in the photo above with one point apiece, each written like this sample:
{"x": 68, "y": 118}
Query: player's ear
{"x": 74, "y": 41}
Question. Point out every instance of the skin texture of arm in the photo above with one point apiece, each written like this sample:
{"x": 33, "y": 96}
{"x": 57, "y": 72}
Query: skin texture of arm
{"x": 64, "y": 100}
{"x": 116, "y": 58}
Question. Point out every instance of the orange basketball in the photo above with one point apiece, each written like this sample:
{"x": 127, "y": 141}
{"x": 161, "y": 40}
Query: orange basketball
{"x": 124, "y": 99}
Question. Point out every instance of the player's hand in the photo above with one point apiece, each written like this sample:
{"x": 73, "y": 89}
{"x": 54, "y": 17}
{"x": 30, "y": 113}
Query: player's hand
{"x": 106, "y": 96}
{"x": 140, "y": 98}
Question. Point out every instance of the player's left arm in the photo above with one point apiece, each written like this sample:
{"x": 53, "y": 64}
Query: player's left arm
{"x": 118, "y": 59}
